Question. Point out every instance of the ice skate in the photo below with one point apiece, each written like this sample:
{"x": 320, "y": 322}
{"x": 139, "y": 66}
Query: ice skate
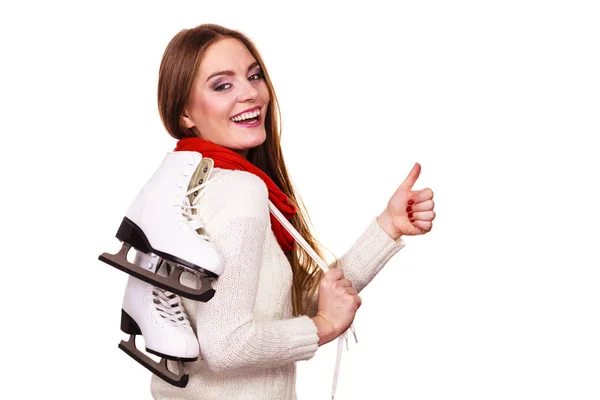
{"x": 163, "y": 220}
{"x": 160, "y": 318}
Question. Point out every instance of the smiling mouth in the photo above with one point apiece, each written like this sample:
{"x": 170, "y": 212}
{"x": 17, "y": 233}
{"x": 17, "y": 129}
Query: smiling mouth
{"x": 247, "y": 118}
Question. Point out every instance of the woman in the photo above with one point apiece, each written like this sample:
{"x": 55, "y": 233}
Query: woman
{"x": 215, "y": 97}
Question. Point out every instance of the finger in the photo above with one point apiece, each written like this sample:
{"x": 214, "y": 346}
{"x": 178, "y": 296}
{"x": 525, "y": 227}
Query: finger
{"x": 426, "y": 205}
{"x": 343, "y": 283}
{"x": 424, "y": 225}
{"x": 422, "y": 216}
{"x": 346, "y": 282}
{"x": 334, "y": 274}
{"x": 352, "y": 291}
{"x": 420, "y": 196}
{"x": 412, "y": 177}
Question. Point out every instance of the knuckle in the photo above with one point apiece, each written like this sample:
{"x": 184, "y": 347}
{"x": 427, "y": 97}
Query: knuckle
{"x": 332, "y": 274}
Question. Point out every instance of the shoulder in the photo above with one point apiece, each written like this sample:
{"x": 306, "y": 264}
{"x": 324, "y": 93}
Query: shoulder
{"x": 236, "y": 183}
{"x": 238, "y": 192}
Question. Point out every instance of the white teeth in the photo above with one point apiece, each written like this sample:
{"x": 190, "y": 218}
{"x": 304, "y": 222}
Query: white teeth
{"x": 246, "y": 115}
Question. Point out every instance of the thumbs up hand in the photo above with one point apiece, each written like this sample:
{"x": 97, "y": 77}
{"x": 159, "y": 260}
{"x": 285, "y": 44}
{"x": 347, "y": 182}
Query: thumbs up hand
{"x": 408, "y": 212}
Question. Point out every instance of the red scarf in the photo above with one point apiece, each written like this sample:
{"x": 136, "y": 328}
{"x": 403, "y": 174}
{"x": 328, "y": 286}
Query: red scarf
{"x": 228, "y": 159}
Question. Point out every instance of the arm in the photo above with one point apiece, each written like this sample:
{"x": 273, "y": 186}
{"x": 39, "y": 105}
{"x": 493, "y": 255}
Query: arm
{"x": 408, "y": 212}
{"x": 229, "y": 334}
{"x": 363, "y": 261}
{"x": 371, "y": 252}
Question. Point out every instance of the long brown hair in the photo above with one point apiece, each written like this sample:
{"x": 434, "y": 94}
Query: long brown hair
{"x": 178, "y": 67}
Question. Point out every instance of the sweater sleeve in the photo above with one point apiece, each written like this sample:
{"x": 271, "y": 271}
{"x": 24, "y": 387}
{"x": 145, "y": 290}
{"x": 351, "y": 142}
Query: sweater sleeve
{"x": 363, "y": 261}
{"x": 230, "y": 335}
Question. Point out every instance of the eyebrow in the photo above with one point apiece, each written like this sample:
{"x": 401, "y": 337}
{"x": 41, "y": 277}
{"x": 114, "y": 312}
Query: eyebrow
{"x": 231, "y": 73}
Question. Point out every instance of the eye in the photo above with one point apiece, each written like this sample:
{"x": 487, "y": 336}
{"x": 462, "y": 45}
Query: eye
{"x": 222, "y": 87}
{"x": 256, "y": 76}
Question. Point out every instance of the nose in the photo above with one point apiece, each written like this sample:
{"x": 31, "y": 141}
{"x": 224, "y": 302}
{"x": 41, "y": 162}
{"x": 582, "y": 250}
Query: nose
{"x": 247, "y": 92}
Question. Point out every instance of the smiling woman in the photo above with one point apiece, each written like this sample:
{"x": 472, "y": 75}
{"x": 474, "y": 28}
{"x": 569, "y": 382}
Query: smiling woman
{"x": 210, "y": 79}
{"x": 272, "y": 305}
{"x": 225, "y": 106}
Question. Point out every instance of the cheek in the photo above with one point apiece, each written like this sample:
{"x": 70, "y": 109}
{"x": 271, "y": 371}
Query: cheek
{"x": 264, "y": 93}
{"x": 214, "y": 110}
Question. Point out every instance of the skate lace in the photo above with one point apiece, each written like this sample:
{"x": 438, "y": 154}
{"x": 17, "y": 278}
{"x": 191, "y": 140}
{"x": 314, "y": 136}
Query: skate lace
{"x": 300, "y": 240}
{"x": 169, "y": 307}
{"x": 190, "y": 210}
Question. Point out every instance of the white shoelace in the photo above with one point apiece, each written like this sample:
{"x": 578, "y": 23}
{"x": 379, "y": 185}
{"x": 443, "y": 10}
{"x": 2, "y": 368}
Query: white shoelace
{"x": 187, "y": 209}
{"x": 290, "y": 228}
{"x": 169, "y": 307}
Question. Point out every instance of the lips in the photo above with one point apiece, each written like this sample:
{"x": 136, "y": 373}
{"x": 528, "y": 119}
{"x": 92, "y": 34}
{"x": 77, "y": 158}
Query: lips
{"x": 249, "y": 123}
{"x": 249, "y": 110}
{"x": 248, "y": 118}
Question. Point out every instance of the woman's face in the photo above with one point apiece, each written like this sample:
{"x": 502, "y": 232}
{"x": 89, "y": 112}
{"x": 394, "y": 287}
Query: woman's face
{"x": 229, "y": 98}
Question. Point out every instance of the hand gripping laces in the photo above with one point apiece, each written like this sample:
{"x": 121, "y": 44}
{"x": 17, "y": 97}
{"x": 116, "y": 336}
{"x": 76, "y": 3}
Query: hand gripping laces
{"x": 344, "y": 338}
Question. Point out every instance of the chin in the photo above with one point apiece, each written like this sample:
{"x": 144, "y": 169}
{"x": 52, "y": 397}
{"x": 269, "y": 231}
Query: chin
{"x": 255, "y": 140}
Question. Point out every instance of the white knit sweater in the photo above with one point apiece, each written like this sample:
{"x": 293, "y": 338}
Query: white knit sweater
{"x": 249, "y": 341}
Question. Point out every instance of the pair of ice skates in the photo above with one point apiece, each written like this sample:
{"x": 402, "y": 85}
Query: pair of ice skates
{"x": 163, "y": 226}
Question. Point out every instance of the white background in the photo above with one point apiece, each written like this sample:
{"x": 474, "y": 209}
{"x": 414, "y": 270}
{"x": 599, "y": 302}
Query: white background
{"x": 499, "y": 102}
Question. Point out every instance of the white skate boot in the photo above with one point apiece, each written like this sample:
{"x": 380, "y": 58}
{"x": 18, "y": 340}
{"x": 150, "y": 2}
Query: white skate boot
{"x": 160, "y": 318}
{"x": 162, "y": 220}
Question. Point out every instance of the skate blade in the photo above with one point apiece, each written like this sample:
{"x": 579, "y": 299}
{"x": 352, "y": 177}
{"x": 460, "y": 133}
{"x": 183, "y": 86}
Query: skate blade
{"x": 159, "y": 369}
{"x": 131, "y": 234}
{"x": 171, "y": 282}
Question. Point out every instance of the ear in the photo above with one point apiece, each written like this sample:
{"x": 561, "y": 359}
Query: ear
{"x": 187, "y": 121}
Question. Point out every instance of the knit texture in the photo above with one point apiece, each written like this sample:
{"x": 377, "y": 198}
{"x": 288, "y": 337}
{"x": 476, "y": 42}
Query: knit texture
{"x": 249, "y": 340}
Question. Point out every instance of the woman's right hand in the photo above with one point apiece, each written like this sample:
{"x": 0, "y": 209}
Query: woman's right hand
{"x": 337, "y": 304}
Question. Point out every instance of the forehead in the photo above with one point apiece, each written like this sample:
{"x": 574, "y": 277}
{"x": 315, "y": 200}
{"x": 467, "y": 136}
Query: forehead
{"x": 226, "y": 54}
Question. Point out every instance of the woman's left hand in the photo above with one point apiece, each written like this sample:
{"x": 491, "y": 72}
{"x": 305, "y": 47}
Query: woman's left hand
{"x": 408, "y": 212}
